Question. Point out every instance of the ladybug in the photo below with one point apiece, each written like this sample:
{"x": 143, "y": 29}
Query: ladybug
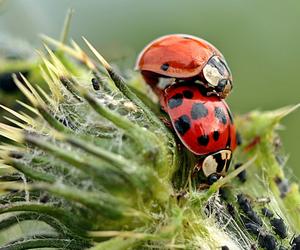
{"x": 204, "y": 125}
{"x": 183, "y": 57}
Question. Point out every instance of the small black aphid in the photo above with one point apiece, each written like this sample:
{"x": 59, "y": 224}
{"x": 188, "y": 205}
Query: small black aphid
{"x": 267, "y": 241}
{"x": 279, "y": 227}
{"x": 244, "y": 203}
{"x": 16, "y": 155}
{"x": 295, "y": 243}
{"x": 242, "y": 175}
{"x": 44, "y": 198}
{"x": 224, "y": 248}
{"x": 254, "y": 217}
{"x": 253, "y": 228}
{"x": 267, "y": 212}
{"x": 231, "y": 209}
{"x": 224, "y": 194}
{"x": 96, "y": 84}
{"x": 283, "y": 186}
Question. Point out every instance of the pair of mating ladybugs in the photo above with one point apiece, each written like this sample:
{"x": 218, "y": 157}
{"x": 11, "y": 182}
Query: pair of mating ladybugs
{"x": 191, "y": 78}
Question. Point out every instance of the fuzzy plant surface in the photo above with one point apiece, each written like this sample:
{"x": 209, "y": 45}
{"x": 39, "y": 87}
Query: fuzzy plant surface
{"x": 91, "y": 165}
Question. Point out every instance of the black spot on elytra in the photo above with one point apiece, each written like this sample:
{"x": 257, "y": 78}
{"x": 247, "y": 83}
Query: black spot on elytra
{"x": 198, "y": 111}
{"x": 202, "y": 89}
{"x": 203, "y": 140}
{"x": 182, "y": 124}
{"x": 165, "y": 66}
{"x": 220, "y": 115}
{"x": 175, "y": 101}
{"x": 188, "y": 94}
{"x": 216, "y": 135}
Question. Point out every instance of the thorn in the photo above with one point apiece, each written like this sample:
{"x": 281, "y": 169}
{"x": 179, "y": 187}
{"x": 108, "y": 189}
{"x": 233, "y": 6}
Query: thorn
{"x": 32, "y": 109}
{"x": 97, "y": 54}
{"x": 25, "y": 91}
{"x": 218, "y": 184}
{"x": 19, "y": 124}
{"x": 66, "y": 26}
{"x": 18, "y": 115}
{"x": 63, "y": 47}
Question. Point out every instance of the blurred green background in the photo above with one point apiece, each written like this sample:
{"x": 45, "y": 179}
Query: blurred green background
{"x": 260, "y": 40}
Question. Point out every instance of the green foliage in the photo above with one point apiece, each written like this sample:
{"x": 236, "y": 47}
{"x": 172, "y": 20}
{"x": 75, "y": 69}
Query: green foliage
{"x": 98, "y": 169}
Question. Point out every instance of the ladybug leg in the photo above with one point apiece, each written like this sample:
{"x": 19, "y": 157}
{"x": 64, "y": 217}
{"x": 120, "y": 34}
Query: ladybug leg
{"x": 212, "y": 93}
{"x": 203, "y": 186}
{"x": 252, "y": 144}
{"x": 166, "y": 121}
{"x": 239, "y": 139}
{"x": 242, "y": 176}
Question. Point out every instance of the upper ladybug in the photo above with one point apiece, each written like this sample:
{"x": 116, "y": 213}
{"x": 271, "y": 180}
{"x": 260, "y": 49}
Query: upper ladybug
{"x": 184, "y": 57}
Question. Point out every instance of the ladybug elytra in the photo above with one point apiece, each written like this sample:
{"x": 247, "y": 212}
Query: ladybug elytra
{"x": 184, "y": 57}
{"x": 204, "y": 125}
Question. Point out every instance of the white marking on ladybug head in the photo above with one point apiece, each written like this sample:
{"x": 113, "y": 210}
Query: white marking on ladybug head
{"x": 217, "y": 161}
{"x": 212, "y": 75}
{"x": 209, "y": 165}
{"x": 225, "y": 156}
{"x": 217, "y": 74}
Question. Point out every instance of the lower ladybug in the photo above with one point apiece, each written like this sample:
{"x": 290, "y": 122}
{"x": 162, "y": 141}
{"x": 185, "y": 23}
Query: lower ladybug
{"x": 204, "y": 125}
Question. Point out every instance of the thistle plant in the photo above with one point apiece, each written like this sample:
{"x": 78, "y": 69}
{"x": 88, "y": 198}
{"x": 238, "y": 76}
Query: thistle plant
{"x": 91, "y": 165}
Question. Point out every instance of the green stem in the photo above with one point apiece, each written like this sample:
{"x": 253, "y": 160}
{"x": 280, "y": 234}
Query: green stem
{"x": 106, "y": 205}
{"x": 54, "y": 223}
{"x": 33, "y": 174}
{"x": 80, "y": 225}
{"x": 46, "y": 243}
{"x": 95, "y": 168}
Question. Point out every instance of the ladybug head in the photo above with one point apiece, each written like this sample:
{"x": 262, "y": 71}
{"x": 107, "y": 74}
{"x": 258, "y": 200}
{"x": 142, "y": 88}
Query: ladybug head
{"x": 216, "y": 165}
{"x": 218, "y": 76}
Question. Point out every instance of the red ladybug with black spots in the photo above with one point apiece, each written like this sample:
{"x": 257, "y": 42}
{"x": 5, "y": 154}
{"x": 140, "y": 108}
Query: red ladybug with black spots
{"x": 182, "y": 57}
{"x": 203, "y": 124}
